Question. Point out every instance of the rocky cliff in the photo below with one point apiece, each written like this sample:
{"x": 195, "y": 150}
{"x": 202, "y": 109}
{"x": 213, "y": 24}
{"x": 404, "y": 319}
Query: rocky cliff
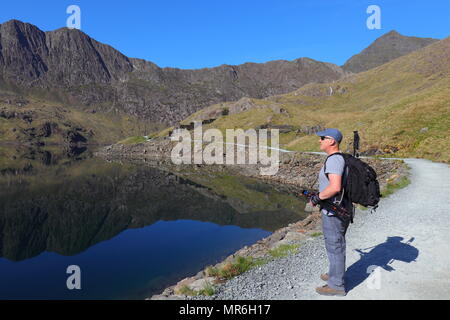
{"x": 69, "y": 66}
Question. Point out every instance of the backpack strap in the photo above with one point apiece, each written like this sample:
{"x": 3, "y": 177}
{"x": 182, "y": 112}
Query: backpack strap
{"x": 325, "y": 164}
{"x": 342, "y": 192}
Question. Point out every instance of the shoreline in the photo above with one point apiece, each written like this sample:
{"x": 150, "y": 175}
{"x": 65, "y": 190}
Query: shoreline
{"x": 405, "y": 254}
{"x": 295, "y": 234}
{"x": 296, "y": 170}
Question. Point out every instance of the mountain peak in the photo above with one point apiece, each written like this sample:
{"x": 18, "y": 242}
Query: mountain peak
{"x": 17, "y": 23}
{"x": 384, "y": 49}
{"x": 392, "y": 33}
{"x": 12, "y": 21}
{"x": 66, "y": 29}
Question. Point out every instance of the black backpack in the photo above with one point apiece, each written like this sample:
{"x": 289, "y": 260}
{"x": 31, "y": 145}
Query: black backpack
{"x": 360, "y": 184}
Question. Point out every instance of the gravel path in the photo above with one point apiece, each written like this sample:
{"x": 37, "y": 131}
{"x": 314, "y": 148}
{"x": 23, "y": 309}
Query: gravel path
{"x": 415, "y": 266}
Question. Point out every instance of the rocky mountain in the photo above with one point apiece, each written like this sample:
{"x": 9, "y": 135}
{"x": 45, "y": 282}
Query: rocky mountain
{"x": 386, "y": 48}
{"x": 70, "y": 67}
{"x": 401, "y": 108}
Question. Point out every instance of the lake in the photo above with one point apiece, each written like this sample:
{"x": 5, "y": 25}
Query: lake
{"x": 131, "y": 229}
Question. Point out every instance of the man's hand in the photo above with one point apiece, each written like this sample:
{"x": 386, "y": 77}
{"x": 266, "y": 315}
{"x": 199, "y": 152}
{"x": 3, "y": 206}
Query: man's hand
{"x": 315, "y": 200}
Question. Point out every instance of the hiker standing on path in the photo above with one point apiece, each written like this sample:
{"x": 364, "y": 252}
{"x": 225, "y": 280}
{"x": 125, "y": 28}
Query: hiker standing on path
{"x": 330, "y": 186}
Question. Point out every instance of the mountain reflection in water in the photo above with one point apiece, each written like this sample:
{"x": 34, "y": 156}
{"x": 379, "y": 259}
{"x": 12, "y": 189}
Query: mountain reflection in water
{"x": 61, "y": 204}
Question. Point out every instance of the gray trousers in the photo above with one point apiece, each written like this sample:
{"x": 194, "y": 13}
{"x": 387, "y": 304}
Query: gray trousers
{"x": 334, "y": 232}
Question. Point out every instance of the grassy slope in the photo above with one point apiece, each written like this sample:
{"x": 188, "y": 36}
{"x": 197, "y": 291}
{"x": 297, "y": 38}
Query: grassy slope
{"x": 106, "y": 127}
{"x": 389, "y": 105}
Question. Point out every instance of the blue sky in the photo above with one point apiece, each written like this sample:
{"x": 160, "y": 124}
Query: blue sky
{"x": 197, "y": 33}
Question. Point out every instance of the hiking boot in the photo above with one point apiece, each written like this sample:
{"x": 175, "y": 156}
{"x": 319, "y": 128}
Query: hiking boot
{"x": 327, "y": 291}
{"x": 324, "y": 277}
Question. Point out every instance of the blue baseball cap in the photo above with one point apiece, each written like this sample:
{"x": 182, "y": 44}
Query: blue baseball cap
{"x": 334, "y": 133}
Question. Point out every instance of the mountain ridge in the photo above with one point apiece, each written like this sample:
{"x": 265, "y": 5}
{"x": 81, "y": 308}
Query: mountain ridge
{"x": 73, "y": 63}
{"x": 400, "y": 108}
{"x": 93, "y": 87}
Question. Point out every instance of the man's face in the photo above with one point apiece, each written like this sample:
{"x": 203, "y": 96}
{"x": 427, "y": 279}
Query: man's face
{"x": 325, "y": 142}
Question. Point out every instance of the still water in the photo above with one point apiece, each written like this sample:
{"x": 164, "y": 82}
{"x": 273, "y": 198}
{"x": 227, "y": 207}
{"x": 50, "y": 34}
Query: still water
{"x": 132, "y": 230}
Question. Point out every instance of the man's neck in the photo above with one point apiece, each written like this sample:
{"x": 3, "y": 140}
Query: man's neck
{"x": 333, "y": 151}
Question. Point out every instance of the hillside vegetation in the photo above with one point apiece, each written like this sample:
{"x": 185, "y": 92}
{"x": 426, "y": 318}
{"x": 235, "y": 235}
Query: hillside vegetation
{"x": 34, "y": 121}
{"x": 401, "y": 108}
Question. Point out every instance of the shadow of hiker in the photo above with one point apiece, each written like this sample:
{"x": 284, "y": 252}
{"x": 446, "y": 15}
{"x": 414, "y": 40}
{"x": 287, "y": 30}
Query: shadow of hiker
{"x": 381, "y": 255}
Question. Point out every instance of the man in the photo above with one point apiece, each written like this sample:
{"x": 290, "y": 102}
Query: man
{"x": 334, "y": 228}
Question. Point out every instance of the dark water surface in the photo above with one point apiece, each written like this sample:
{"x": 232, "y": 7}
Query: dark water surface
{"x": 132, "y": 230}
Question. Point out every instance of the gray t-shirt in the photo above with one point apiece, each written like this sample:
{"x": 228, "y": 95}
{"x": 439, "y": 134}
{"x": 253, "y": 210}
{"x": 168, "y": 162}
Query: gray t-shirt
{"x": 335, "y": 165}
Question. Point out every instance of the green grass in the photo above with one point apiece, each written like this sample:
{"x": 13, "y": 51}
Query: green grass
{"x": 212, "y": 271}
{"x": 316, "y": 234}
{"x": 392, "y": 187}
{"x": 243, "y": 264}
{"x": 235, "y": 268}
{"x": 208, "y": 290}
{"x": 133, "y": 140}
{"x": 186, "y": 290}
{"x": 360, "y": 207}
{"x": 283, "y": 250}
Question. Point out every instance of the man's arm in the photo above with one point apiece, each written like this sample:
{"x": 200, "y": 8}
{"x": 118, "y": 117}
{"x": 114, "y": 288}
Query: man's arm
{"x": 335, "y": 167}
{"x": 333, "y": 188}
